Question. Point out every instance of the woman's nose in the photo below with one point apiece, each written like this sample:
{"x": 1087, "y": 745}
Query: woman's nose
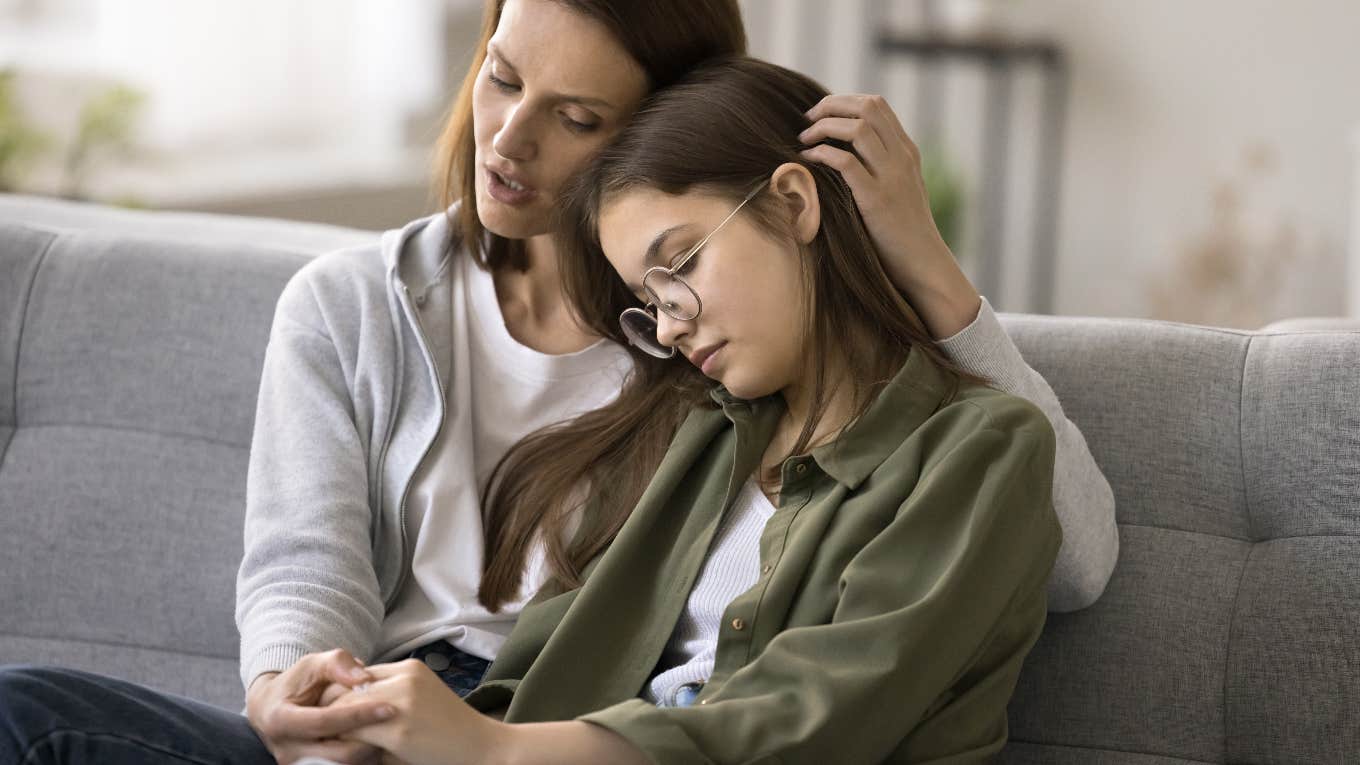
{"x": 515, "y": 139}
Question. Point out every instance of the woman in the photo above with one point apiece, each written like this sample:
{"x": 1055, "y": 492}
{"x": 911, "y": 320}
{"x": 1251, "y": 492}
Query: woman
{"x": 842, "y": 556}
{"x": 379, "y": 416}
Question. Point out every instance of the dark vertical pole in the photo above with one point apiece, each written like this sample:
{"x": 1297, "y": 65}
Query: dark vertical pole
{"x": 995, "y": 168}
{"x": 929, "y": 91}
{"x": 811, "y": 36}
{"x": 871, "y": 59}
{"x": 1044, "y": 276}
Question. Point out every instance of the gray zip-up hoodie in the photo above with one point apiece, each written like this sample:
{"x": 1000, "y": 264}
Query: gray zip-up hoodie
{"x": 350, "y": 402}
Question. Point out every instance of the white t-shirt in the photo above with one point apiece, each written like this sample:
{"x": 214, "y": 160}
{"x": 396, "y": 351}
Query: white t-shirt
{"x": 500, "y": 391}
{"x": 731, "y": 567}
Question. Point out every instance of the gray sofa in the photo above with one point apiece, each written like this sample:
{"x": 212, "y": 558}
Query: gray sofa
{"x": 130, "y": 350}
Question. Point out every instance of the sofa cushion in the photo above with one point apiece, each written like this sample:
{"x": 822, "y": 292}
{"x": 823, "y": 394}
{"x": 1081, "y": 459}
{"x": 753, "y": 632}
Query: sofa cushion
{"x": 1230, "y": 631}
{"x": 128, "y": 375}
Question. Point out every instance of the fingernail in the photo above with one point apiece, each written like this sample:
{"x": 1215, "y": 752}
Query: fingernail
{"x": 384, "y": 713}
{"x": 358, "y": 674}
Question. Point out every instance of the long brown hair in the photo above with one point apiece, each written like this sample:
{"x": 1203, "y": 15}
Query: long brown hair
{"x": 667, "y": 38}
{"x": 721, "y": 131}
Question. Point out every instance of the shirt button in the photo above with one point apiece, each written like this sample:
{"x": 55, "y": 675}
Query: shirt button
{"x": 738, "y": 625}
{"x": 703, "y": 701}
{"x": 801, "y": 469}
{"x": 767, "y": 568}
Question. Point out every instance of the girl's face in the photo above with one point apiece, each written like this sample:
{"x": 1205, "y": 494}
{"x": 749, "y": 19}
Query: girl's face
{"x": 749, "y": 333}
{"x": 554, "y": 88}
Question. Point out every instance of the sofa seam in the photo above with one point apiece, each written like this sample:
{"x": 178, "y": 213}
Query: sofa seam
{"x": 1183, "y": 531}
{"x": 1108, "y": 749}
{"x": 1241, "y": 445}
{"x": 1228, "y": 644}
{"x": 147, "y": 431}
{"x": 19, "y": 341}
{"x": 1251, "y": 532}
{"x": 116, "y": 644}
{"x": 1251, "y": 542}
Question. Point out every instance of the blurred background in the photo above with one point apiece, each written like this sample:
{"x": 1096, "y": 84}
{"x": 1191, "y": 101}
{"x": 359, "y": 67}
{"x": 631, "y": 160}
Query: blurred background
{"x": 1193, "y": 160}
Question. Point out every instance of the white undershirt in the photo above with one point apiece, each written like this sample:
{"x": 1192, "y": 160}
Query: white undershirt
{"x": 731, "y": 568}
{"x": 500, "y": 391}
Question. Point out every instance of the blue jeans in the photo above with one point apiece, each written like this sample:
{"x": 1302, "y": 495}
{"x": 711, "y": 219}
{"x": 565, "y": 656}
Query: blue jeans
{"x": 53, "y": 714}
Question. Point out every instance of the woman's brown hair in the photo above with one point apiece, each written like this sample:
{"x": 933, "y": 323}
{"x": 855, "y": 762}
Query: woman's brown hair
{"x": 722, "y": 131}
{"x": 667, "y": 38}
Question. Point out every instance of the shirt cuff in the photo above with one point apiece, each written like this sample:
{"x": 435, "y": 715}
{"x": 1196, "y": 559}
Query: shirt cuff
{"x": 274, "y": 658}
{"x": 983, "y": 348}
{"x": 648, "y": 728}
{"x": 982, "y": 306}
{"x": 492, "y": 695}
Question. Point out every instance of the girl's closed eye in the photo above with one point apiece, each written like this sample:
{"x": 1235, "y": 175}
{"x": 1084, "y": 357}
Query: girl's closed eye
{"x": 686, "y": 263}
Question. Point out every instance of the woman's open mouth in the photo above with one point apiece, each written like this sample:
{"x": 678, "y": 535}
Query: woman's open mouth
{"x": 507, "y": 190}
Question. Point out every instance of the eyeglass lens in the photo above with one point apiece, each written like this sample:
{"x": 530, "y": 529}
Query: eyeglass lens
{"x": 670, "y": 294}
{"x": 640, "y": 329}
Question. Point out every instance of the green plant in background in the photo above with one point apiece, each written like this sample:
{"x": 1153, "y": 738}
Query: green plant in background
{"x": 945, "y": 190}
{"x": 106, "y": 126}
{"x": 20, "y": 142}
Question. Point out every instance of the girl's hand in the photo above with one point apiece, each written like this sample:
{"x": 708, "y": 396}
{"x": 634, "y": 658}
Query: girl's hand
{"x": 890, "y": 191}
{"x": 284, "y": 709}
{"x": 430, "y": 724}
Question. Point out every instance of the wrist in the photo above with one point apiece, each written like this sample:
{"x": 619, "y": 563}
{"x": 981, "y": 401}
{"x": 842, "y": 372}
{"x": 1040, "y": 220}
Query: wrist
{"x": 260, "y": 681}
{"x": 501, "y": 744}
{"x": 939, "y": 291}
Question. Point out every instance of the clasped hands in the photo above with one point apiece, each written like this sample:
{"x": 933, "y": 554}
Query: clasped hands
{"x": 330, "y": 705}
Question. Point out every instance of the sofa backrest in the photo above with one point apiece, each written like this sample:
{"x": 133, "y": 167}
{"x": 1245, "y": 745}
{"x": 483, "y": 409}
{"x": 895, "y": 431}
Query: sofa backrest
{"x": 1230, "y": 631}
{"x": 128, "y": 372}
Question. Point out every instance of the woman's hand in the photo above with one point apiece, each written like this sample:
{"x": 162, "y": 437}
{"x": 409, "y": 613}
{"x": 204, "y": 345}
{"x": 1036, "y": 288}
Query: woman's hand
{"x": 890, "y": 191}
{"x": 431, "y": 724}
{"x": 283, "y": 709}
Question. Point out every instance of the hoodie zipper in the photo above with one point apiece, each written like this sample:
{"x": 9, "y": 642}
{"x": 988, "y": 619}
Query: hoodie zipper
{"x": 406, "y": 558}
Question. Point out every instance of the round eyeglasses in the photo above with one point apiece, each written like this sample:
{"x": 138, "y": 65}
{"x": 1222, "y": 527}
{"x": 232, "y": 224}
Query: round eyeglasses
{"x": 668, "y": 292}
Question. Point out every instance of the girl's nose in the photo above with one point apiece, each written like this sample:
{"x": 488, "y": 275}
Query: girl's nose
{"x": 670, "y": 330}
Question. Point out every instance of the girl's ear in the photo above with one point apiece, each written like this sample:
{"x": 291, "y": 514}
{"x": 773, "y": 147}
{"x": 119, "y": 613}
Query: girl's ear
{"x": 796, "y": 188}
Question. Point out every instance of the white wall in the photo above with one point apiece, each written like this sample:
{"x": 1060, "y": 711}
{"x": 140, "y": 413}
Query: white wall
{"x": 246, "y": 73}
{"x": 1167, "y": 98}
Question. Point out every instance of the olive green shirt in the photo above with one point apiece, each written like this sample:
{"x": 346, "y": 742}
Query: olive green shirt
{"x": 902, "y": 584}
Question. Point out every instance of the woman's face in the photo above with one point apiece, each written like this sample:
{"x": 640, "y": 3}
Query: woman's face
{"x": 554, "y": 88}
{"x": 748, "y": 335}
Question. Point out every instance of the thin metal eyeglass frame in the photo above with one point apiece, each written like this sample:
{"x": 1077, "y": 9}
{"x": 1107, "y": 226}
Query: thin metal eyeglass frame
{"x": 656, "y": 345}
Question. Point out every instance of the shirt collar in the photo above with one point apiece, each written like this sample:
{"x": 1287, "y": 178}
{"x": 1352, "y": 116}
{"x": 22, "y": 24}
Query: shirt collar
{"x": 916, "y": 392}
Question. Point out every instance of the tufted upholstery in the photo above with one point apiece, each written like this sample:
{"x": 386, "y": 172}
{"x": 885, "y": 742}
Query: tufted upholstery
{"x": 128, "y": 371}
{"x": 1229, "y": 633}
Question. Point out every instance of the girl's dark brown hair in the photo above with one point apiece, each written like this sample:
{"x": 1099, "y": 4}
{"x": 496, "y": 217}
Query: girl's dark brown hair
{"x": 722, "y": 131}
{"x": 667, "y": 38}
